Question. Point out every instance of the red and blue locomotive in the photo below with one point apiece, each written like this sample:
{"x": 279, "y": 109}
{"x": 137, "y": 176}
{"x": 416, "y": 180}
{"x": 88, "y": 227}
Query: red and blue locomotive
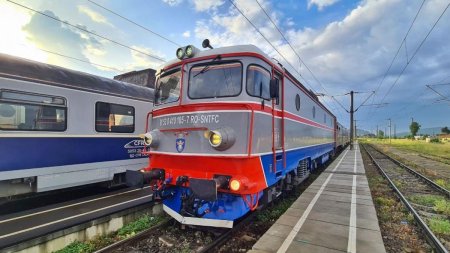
{"x": 230, "y": 130}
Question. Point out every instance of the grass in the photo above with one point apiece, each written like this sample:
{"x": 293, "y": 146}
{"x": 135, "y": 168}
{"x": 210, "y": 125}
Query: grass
{"x": 426, "y": 200}
{"x": 126, "y": 231}
{"x": 139, "y": 225}
{"x": 440, "y": 226}
{"x": 271, "y": 214}
{"x": 443, "y": 183}
{"x": 442, "y": 206}
{"x": 77, "y": 247}
{"x": 420, "y": 146}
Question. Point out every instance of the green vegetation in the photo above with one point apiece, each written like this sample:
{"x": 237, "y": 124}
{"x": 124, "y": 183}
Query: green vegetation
{"x": 138, "y": 225}
{"x": 382, "y": 201}
{"x": 414, "y": 128}
{"x": 128, "y": 230}
{"x": 438, "y": 203}
{"x": 440, "y": 226}
{"x": 442, "y": 206}
{"x": 77, "y": 247}
{"x": 271, "y": 214}
{"x": 443, "y": 183}
{"x": 432, "y": 149}
{"x": 426, "y": 200}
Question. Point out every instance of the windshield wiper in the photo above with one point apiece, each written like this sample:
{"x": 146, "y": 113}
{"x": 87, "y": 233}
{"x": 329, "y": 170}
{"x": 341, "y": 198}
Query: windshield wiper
{"x": 206, "y": 68}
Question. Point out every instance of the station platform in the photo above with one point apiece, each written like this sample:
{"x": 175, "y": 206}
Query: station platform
{"x": 335, "y": 214}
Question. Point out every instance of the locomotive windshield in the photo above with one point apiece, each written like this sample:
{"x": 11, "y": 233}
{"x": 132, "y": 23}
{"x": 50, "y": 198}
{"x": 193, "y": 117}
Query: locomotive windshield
{"x": 168, "y": 87}
{"x": 222, "y": 79}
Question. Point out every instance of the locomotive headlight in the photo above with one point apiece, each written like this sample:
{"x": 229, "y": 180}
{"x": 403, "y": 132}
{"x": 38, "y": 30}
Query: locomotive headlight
{"x": 180, "y": 53}
{"x": 235, "y": 185}
{"x": 221, "y": 139}
{"x": 152, "y": 138}
{"x": 189, "y": 51}
{"x": 215, "y": 139}
{"x": 148, "y": 138}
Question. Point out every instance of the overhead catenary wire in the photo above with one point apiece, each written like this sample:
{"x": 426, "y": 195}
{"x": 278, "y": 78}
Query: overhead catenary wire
{"x": 268, "y": 41}
{"x": 90, "y": 32}
{"x": 398, "y": 51}
{"x": 78, "y": 59}
{"x": 135, "y": 23}
{"x": 295, "y": 51}
{"x": 415, "y": 53}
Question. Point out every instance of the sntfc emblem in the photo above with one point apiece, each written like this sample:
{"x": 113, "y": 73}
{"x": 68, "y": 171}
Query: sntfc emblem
{"x": 180, "y": 144}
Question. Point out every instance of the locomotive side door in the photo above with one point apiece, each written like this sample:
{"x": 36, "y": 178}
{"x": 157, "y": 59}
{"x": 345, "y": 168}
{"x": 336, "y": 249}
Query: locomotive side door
{"x": 278, "y": 126}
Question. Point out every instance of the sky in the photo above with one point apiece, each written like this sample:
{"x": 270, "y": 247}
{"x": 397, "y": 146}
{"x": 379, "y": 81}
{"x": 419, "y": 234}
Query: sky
{"x": 398, "y": 71}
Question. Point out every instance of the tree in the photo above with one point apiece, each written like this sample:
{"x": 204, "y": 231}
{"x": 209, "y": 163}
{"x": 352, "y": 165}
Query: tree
{"x": 445, "y": 130}
{"x": 414, "y": 128}
{"x": 380, "y": 134}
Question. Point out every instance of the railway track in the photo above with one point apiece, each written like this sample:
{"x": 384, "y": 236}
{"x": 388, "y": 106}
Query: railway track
{"x": 154, "y": 238}
{"x": 417, "y": 192}
{"x": 141, "y": 242}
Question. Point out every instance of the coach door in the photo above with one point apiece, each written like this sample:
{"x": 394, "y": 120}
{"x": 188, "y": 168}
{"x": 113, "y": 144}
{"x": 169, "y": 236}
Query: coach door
{"x": 277, "y": 126}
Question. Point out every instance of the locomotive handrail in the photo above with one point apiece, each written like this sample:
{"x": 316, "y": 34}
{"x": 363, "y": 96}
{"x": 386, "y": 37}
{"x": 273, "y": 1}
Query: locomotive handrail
{"x": 146, "y": 123}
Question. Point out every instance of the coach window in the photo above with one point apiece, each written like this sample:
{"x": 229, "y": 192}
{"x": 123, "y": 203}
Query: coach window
{"x": 32, "y": 112}
{"x": 114, "y": 118}
{"x": 314, "y": 112}
{"x": 258, "y": 81}
{"x": 297, "y": 102}
{"x": 217, "y": 79}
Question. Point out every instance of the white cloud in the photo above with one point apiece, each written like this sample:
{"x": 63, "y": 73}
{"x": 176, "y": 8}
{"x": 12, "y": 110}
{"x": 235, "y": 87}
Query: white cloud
{"x": 321, "y": 4}
{"x": 352, "y": 53}
{"x": 141, "y": 61}
{"x": 205, "y": 5}
{"x": 173, "y": 2}
{"x": 187, "y": 34}
{"x": 93, "y": 15}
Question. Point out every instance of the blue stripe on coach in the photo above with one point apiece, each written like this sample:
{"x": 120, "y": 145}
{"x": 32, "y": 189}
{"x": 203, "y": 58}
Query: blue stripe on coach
{"x": 292, "y": 159}
{"x": 37, "y": 152}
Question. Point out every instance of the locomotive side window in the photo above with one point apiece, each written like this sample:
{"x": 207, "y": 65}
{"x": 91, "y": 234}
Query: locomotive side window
{"x": 258, "y": 81}
{"x": 114, "y": 118}
{"x": 314, "y": 112}
{"x": 32, "y": 112}
{"x": 212, "y": 80}
{"x": 168, "y": 87}
{"x": 297, "y": 102}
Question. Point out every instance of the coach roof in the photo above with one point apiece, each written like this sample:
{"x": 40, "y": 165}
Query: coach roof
{"x": 24, "y": 69}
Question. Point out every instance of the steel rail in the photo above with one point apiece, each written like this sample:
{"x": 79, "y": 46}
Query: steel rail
{"x": 134, "y": 238}
{"x": 432, "y": 239}
{"x": 220, "y": 240}
{"x": 415, "y": 173}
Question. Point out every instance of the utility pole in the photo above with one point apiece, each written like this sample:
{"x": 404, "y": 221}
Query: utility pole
{"x": 395, "y": 132}
{"x": 377, "y": 132}
{"x": 356, "y": 130}
{"x": 390, "y": 130}
{"x": 351, "y": 120}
